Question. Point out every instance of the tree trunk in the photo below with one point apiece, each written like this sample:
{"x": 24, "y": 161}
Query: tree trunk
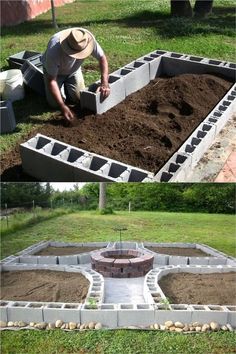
{"x": 102, "y": 195}
{"x": 202, "y": 8}
{"x": 181, "y": 8}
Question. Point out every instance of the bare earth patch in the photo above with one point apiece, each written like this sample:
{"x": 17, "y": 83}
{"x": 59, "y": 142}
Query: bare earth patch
{"x": 211, "y": 289}
{"x": 42, "y": 285}
{"x": 179, "y": 251}
{"x": 64, "y": 251}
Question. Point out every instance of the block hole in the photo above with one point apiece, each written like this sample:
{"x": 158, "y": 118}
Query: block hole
{"x": 137, "y": 176}
{"x": 173, "y": 167}
{"x": 97, "y": 163}
{"x": 116, "y": 170}
{"x": 42, "y": 142}
{"x": 195, "y": 58}
{"x": 165, "y": 177}
{"x": 215, "y": 62}
{"x": 57, "y": 148}
{"x": 74, "y": 155}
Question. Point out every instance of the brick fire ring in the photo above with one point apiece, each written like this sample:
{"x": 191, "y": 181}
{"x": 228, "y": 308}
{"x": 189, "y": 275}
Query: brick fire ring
{"x": 106, "y": 263}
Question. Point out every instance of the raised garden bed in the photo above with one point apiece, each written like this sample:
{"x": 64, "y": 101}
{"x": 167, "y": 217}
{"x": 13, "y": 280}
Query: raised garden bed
{"x": 186, "y": 288}
{"x": 180, "y": 251}
{"x": 63, "y": 251}
{"x": 44, "y": 286}
{"x": 144, "y": 130}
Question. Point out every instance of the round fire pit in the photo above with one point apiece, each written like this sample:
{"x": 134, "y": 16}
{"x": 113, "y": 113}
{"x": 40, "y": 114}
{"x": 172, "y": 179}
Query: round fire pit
{"x": 122, "y": 263}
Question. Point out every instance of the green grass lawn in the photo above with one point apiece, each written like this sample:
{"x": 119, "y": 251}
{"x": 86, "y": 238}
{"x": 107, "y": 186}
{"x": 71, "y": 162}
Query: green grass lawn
{"x": 126, "y": 29}
{"x": 215, "y": 230}
{"x": 116, "y": 342}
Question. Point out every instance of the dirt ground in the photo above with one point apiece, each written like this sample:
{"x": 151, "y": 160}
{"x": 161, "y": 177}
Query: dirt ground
{"x": 179, "y": 251}
{"x": 186, "y": 288}
{"x": 64, "y": 251}
{"x": 144, "y": 130}
{"x": 42, "y": 285}
{"x": 120, "y": 256}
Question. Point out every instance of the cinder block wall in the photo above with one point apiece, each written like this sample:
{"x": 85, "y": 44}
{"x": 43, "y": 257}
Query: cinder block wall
{"x": 14, "y": 12}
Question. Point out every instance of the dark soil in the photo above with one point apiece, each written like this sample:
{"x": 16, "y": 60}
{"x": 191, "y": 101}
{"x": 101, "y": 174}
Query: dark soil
{"x": 43, "y": 285}
{"x": 120, "y": 256}
{"x": 179, "y": 251}
{"x": 64, "y": 251}
{"x": 186, "y": 288}
{"x": 144, "y": 130}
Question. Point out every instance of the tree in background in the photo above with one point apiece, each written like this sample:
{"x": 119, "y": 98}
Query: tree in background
{"x": 23, "y": 194}
{"x": 183, "y": 8}
{"x": 102, "y": 195}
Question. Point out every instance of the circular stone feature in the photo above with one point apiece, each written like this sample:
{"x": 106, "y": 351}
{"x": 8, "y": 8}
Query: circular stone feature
{"x": 122, "y": 263}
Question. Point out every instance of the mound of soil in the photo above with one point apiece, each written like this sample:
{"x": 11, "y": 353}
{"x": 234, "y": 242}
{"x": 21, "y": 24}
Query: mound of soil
{"x": 64, "y": 251}
{"x": 144, "y": 130}
{"x": 179, "y": 251}
{"x": 43, "y": 285}
{"x": 211, "y": 289}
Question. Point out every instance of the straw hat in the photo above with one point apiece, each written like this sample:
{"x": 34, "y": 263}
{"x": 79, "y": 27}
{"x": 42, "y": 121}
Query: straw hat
{"x": 78, "y": 43}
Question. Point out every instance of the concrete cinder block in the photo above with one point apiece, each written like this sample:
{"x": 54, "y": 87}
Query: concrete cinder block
{"x": 72, "y": 259}
{"x": 217, "y": 260}
{"x": 173, "y": 66}
{"x": 92, "y": 100}
{"x": 126, "y": 245}
{"x": 3, "y": 310}
{"x": 161, "y": 259}
{"x": 162, "y": 314}
{"x": 231, "y": 315}
{"x": 198, "y": 260}
{"x": 203, "y": 314}
{"x": 32, "y": 71}
{"x": 135, "y": 76}
{"x": 7, "y": 117}
{"x": 106, "y": 314}
{"x": 198, "y": 142}
{"x": 62, "y": 311}
{"x": 47, "y": 260}
{"x": 135, "y": 315}
{"x": 154, "y": 60}
{"x": 29, "y": 259}
{"x": 17, "y": 60}
{"x": 176, "y": 169}
{"x": 176, "y": 260}
{"x": 84, "y": 258}
{"x": 23, "y": 311}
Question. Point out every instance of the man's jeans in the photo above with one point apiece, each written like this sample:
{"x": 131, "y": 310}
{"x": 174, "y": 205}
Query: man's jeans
{"x": 69, "y": 86}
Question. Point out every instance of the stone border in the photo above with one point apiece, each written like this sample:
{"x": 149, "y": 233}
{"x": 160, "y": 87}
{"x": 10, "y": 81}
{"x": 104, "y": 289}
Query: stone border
{"x": 216, "y": 258}
{"x": 49, "y": 159}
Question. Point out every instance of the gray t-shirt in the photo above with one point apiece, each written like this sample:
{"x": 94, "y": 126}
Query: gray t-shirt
{"x": 57, "y": 62}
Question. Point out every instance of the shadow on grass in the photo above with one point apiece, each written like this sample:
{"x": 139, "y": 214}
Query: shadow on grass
{"x": 221, "y": 21}
{"x": 32, "y": 105}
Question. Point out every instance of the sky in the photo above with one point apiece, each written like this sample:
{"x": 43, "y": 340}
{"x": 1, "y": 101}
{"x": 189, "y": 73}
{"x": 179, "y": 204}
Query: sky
{"x": 62, "y": 186}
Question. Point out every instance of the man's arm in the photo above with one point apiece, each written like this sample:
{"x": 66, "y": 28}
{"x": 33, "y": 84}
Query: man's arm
{"x": 104, "y": 88}
{"x": 53, "y": 87}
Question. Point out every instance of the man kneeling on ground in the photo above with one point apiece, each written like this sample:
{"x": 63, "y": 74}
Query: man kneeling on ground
{"x": 62, "y": 61}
